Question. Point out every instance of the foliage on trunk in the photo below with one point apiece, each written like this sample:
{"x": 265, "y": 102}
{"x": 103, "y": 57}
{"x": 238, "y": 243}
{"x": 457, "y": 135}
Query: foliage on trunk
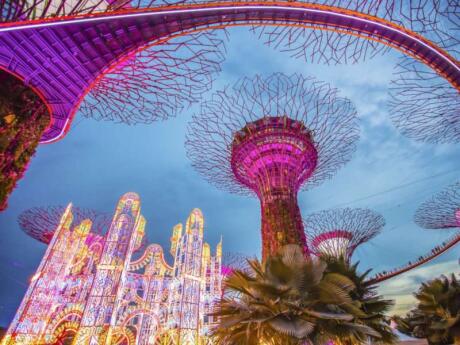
{"x": 368, "y": 308}
{"x": 23, "y": 118}
{"x": 437, "y": 315}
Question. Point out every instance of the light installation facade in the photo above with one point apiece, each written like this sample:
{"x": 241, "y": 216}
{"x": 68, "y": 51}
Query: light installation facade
{"x": 90, "y": 288}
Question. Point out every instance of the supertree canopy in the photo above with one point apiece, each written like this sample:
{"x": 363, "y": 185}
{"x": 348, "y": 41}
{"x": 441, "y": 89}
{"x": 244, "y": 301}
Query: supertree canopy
{"x": 442, "y": 211}
{"x": 338, "y": 232}
{"x": 157, "y": 82}
{"x": 41, "y": 222}
{"x": 437, "y": 20}
{"x": 424, "y": 106}
{"x": 270, "y": 137}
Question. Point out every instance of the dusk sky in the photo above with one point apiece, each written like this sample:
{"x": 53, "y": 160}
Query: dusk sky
{"x": 97, "y": 162}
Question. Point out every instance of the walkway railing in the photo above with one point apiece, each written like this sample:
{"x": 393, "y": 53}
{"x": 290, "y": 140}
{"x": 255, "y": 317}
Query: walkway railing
{"x": 435, "y": 252}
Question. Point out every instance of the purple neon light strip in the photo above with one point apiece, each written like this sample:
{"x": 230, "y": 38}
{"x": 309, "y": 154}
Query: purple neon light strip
{"x": 212, "y": 9}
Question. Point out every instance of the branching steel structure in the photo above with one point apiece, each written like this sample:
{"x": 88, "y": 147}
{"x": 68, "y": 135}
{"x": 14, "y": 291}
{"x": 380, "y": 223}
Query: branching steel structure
{"x": 437, "y": 20}
{"x": 41, "y": 222}
{"x": 157, "y": 82}
{"x": 442, "y": 211}
{"x": 87, "y": 47}
{"x": 269, "y": 137}
{"x": 144, "y": 86}
{"x": 339, "y": 232}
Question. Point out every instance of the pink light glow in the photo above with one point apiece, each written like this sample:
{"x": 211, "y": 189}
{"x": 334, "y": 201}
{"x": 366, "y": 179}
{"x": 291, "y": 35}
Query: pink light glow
{"x": 336, "y": 234}
{"x": 273, "y": 153}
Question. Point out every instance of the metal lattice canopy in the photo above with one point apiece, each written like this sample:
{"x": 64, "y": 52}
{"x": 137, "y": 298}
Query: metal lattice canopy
{"x": 41, "y": 222}
{"x": 338, "y": 232}
{"x": 158, "y": 82}
{"x": 422, "y": 105}
{"x": 442, "y": 211}
{"x": 330, "y": 120}
{"x": 437, "y": 20}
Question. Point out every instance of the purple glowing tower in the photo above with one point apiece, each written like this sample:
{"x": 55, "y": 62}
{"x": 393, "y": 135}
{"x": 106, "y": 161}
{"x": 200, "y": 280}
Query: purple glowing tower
{"x": 270, "y": 137}
{"x": 337, "y": 233}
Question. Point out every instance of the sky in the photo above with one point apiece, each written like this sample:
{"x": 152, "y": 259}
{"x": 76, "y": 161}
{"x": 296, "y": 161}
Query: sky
{"x": 97, "y": 162}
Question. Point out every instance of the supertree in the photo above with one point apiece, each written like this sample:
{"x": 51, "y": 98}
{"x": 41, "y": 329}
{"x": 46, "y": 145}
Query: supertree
{"x": 270, "y": 137}
{"x": 338, "y": 232}
{"x": 41, "y": 222}
{"x": 442, "y": 211}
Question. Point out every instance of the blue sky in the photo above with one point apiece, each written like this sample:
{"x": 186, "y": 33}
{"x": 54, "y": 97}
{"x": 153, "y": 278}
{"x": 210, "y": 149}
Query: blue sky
{"x": 97, "y": 162}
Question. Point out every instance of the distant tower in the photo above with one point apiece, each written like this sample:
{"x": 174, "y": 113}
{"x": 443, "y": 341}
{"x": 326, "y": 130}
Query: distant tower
{"x": 44, "y": 294}
{"x": 195, "y": 282}
{"x": 104, "y": 302}
{"x": 337, "y": 233}
{"x": 442, "y": 211}
{"x": 269, "y": 137}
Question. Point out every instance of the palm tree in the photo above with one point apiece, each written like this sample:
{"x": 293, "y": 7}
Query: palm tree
{"x": 368, "y": 308}
{"x": 437, "y": 315}
{"x": 289, "y": 299}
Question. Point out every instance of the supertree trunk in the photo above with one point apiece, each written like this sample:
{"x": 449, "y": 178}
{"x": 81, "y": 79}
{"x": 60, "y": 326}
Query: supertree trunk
{"x": 281, "y": 224}
{"x": 23, "y": 119}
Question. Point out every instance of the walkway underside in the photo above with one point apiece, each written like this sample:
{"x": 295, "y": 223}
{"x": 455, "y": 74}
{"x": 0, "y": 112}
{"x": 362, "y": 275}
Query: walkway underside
{"x": 63, "y": 58}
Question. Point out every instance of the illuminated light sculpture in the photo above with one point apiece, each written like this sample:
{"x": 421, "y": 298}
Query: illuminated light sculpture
{"x": 41, "y": 222}
{"x": 93, "y": 289}
{"x": 424, "y": 106}
{"x": 338, "y": 232}
{"x": 269, "y": 137}
{"x": 82, "y": 39}
{"x": 442, "y": 211}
